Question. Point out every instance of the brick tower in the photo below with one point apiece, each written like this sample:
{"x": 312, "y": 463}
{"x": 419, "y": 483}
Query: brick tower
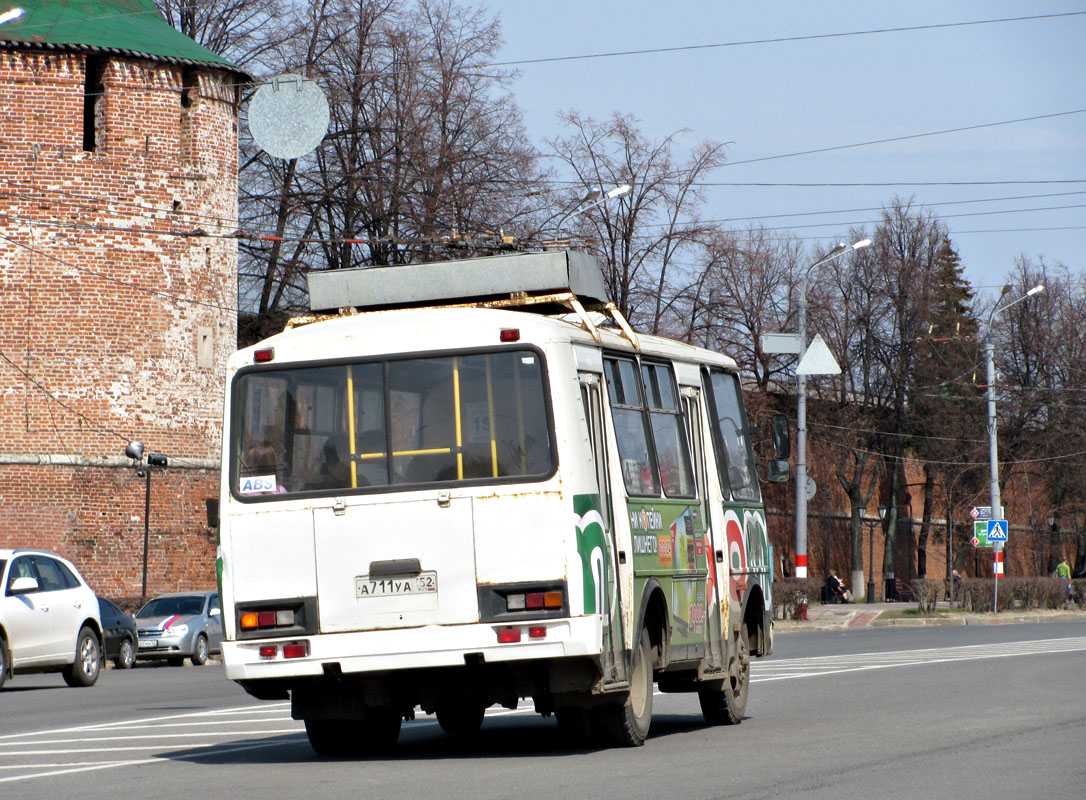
{"x": 118, "y": 287}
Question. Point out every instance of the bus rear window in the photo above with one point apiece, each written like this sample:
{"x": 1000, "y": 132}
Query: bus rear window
{"x": 335, "y": 428}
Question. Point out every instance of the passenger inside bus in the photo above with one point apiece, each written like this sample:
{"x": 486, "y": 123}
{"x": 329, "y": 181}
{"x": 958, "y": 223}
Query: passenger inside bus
{"x": 263, "y": 460}
{"x": 334, "y": 471}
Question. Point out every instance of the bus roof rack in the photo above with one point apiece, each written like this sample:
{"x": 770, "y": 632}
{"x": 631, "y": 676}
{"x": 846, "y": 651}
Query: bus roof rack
{"x": 550, "y": 283}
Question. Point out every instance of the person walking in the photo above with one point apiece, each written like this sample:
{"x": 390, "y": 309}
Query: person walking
{"x": 1063, "y": 572}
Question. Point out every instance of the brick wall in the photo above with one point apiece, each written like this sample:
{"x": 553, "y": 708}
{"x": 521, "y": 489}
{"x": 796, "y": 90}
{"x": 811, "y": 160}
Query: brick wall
{"x": 112, "y": 326}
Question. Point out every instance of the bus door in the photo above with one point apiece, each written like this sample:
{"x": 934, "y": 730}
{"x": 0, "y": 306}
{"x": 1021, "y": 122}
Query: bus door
{"x": 714, "y": 545}
{"x": 614, "y": 664}
{"x": 399, "y": 564}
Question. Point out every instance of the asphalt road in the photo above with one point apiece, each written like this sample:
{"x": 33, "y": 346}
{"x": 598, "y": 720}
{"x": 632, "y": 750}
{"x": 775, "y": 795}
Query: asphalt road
{"x": 961, "y": 712}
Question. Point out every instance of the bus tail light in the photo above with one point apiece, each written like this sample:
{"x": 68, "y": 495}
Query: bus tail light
{"x": 296, "y": 650}
{"x": 533, "y": 601}
{"x": 508, "y": 635}
{"x": 290, "y": 650}
{"x": 510, "y": 335}
{"x": 537, "y": 632}
{"x": 530, "y": 601}
{"x": 264, "y": 356}
{"x": 270, "y": 618}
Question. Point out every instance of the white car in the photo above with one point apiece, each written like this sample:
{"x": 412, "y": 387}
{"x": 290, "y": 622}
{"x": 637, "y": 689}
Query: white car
{"x": 49, "y": 618}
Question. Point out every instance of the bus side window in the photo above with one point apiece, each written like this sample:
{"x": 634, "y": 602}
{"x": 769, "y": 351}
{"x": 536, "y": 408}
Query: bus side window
{"x": 668, "y": 435}
{"x": 731, "y": 437}
{"x": 631, "y": 430}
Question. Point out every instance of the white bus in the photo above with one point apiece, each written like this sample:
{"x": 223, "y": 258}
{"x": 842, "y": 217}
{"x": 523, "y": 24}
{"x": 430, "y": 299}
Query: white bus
{"x": 457, "y": 490}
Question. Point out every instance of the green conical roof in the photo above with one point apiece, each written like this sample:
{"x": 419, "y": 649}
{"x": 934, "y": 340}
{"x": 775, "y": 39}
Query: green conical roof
{"x": 129, "y": 27}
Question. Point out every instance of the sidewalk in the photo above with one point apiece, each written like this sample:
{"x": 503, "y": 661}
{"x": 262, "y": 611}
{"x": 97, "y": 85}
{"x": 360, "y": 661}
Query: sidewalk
{"x": 867, "y": 615}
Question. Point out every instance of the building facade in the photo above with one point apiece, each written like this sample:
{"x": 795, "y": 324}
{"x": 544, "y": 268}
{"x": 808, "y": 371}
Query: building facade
{"x": 118, "y": 287}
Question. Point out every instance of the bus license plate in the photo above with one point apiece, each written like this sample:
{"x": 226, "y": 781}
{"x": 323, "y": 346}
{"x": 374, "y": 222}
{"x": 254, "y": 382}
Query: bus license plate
{"x": 423, "y": 583}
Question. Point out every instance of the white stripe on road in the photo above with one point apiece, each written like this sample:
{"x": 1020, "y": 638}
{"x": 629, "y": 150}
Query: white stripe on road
{"x": 762, "y": 671}
{"x": 787, "y": 669}
{"x": 123, "y": 723}
{"x": 68, "y": 770}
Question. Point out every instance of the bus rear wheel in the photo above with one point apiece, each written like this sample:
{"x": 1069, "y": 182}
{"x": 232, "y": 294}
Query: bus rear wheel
{"x": 377, "y": 732}
{"x": 462, "y": 717}
{"x": 627, "y": 725}
{"x": 727, "y": 705}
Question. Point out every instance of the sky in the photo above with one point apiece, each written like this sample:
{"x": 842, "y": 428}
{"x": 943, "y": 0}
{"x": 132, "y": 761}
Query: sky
{"x": 772, "y": 99}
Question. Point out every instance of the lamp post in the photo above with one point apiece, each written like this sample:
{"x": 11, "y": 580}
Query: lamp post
{"x": 801, "y": 406}
{"x": 594, "y": 198}
{"x": 12, "y": 14}
{"x": 993, "y": 457}
{"x": 134, "y": 451}
{"x": 871, "y": 557}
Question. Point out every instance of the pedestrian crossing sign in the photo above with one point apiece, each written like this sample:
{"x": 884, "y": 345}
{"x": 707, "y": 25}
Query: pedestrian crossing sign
{"x": 997, "y": 530}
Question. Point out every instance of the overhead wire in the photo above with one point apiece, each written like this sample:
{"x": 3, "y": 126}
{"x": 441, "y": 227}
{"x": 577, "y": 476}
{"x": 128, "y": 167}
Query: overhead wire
{"x": 780, "y": 40}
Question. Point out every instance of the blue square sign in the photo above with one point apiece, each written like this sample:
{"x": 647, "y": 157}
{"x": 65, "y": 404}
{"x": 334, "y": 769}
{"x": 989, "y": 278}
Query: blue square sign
{"x": 997, "y": 530}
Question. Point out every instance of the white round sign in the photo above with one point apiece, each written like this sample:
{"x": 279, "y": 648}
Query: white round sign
{"x": 812, "y": 487}
{"x": 288, "y": 116}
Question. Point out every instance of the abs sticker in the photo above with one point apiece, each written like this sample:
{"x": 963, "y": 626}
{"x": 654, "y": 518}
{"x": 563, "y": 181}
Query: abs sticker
{"x": 256, "y": 484}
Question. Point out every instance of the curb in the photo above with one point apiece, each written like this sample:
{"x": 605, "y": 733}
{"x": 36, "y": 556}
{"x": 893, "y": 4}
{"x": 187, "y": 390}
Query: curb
{"x": 846, "y": 622}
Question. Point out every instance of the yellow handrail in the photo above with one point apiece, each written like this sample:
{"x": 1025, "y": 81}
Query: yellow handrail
{"x": 350, "y": 424}
{"x": 490, "y": 411}
{"x": 459, "y": 433}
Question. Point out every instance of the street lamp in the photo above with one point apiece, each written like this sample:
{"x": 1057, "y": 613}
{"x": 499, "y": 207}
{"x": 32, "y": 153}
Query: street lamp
{"x": 595, "y": 197}
{"x": 801, "y": 407}
{"x": 134, "y": 451}
{"x": 8, "y": 16}
{"x": 871, "y": 557}
{"x": 993, "y": 458}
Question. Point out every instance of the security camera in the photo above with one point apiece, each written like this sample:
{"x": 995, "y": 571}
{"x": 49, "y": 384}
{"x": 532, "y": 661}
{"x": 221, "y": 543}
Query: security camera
{"x": 134, "y": 451}
{"x": 156, "y": 460}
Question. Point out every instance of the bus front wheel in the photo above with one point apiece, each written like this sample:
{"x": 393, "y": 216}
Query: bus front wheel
{"x": 627, "y": 725}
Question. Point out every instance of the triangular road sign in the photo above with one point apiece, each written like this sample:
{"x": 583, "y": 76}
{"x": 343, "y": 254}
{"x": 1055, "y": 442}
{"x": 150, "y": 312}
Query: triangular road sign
{"x": 818, "y": 360}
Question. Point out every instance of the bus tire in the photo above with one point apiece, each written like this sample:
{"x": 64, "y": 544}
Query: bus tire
{"x": 333, "y": 738}
{"x": 728, "y": 704}
{"x": 627, "y": 725}
{"x": 461, "y": 718}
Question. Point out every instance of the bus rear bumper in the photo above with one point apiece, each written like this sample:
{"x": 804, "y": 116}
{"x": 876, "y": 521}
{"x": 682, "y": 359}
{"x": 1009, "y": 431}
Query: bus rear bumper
{"x": 413, "y": 648}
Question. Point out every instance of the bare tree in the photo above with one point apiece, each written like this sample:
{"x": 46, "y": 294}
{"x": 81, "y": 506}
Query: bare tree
{"x": 425, "y": 158}
{"x": 243, "y": 31}
{"x": 640, "y": 237}
{"x": 1040, "y": 349}
{"x": 743, "y": 293}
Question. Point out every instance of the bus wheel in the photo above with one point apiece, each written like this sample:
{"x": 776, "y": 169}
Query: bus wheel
{"x": 378, "y": 731}
{"x": 627, "y": 725}
{"x": 330, "y": 737}
{"x": 461, "y": 717}
{"x": 727, "y": 705}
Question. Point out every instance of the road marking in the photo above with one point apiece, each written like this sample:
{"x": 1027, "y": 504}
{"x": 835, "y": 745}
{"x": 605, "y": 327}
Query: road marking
{"x": 788, "y": 669}
{"x": 125, "y": 723}
{"x": 111, "y": 734}
{"x": 83, "y": 767}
